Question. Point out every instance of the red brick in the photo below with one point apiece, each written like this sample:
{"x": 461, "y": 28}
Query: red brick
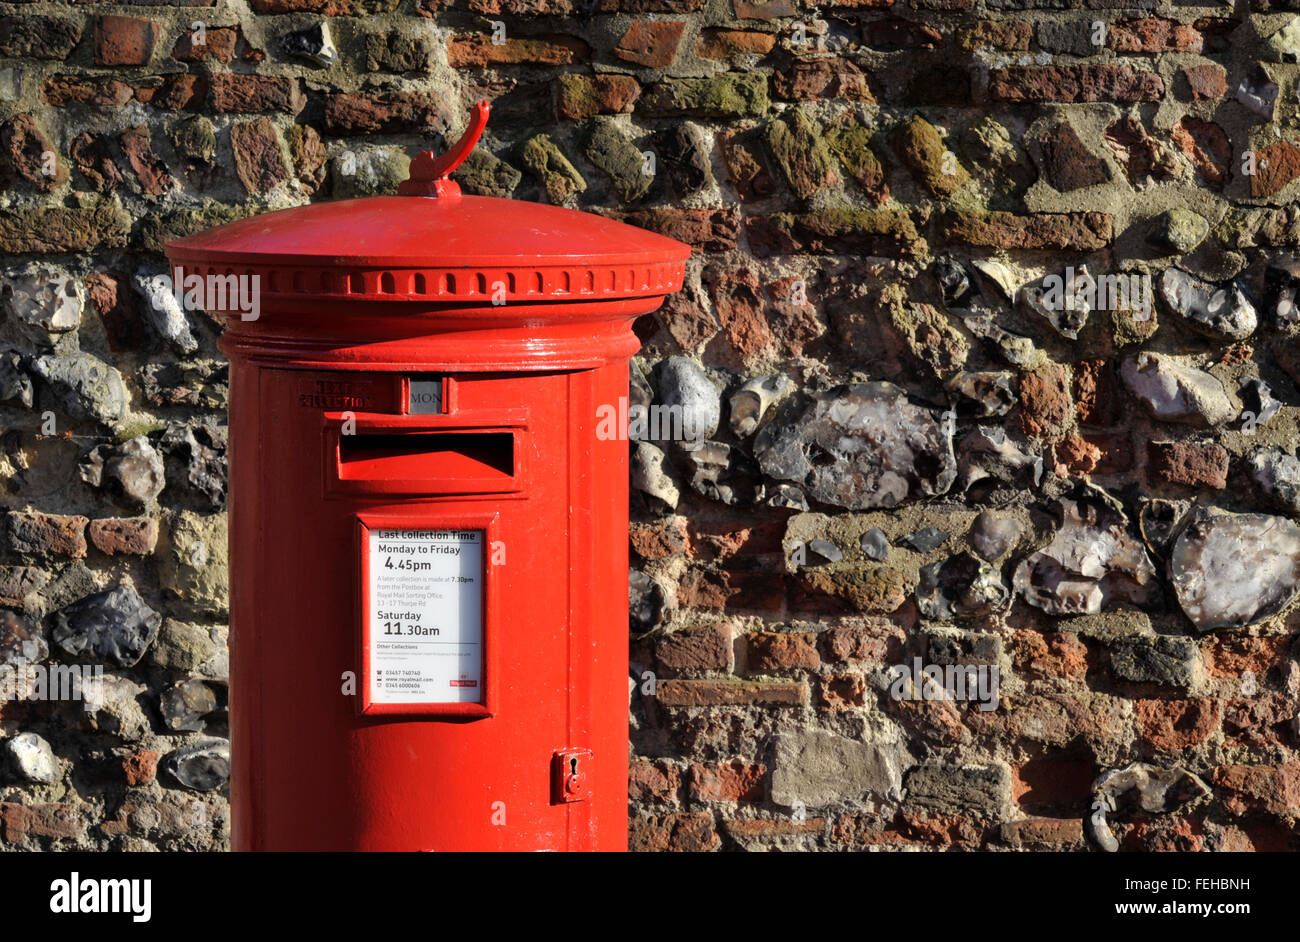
{"x": 140, "y": 767}
{"x": 727, "y": 781}
{"x": 124, "y": 40}
{"x": 682, "y": 833}
{"x": 1046, "y": 655}
{"x": 841, "y": 692}
{"x": 1275, "y": 167}
{"x": 232, "y": 93}
{"x": 725, "y": 43}
{"x": 148, "y": 167}
{"x": 385, "y": 113}
{"x": 47, "y": 534}
{"x": 259, "y": 161}
{"x": 1046, "y": 406}
{"x": 470, "y": 52}
{"x": 1234, "y": 655}
{"x": 710, "y": 230}
{"x": 1097, "y": 395}
{"x": 25, "y": 148}
{"x": 1206, "y": 145}
{"x": 779, "y": 650}
{"x": 176, "y": 93}
{"x": 880, "y": 641}
{"x": 728, "y": 538}
{"x": 96, "y": 92}
{"x": 661, "y": 539}
{"x": 132, "y": 536}
{"x": 1268, "y": 788}
{"x": 92, "y": 157}
{"x": 1076, "y": 83}
{"x": 651, "y": 44}
{"x": 218, "y": 44}
{"x": 582, "y": 96}
{"x": 703, "y": 693}
{"x": 738, "y": 303}
{"x": 1206, "y": 82}
{"x": 822, "y": 79}
{"x": 1038, "y": 832}
{"x": 653, "y": 780}
{"x": 1074, "y": 456}
{"x": 1060, "y": 231}
{"x": 1170, "y": 725}
{"x": 704, "y": 589}
{"x": 898, "y": 33}
{"x": 1190, "y": 464}
{"x": 55, "y": 820}
{"x": 707, "y": 648}
{"x": 1153, "y": 34}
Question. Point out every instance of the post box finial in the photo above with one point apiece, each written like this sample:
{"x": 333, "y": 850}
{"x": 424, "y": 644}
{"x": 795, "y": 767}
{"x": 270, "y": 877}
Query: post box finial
{"x": 430, "y": 174}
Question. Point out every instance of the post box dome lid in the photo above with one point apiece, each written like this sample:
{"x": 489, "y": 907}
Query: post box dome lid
{"x": 433, "y": 242}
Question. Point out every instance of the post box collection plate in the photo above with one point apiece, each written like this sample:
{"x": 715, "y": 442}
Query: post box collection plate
{"x": 423, "y": 617}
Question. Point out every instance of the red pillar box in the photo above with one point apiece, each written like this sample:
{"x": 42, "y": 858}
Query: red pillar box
{"x": 428, "y": 542}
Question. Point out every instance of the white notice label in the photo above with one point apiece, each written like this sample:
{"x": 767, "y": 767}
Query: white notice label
{"x": 426, "y": 616}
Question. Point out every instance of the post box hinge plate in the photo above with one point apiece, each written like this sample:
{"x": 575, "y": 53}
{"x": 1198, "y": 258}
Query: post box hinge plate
{"x": 570, "y": 775}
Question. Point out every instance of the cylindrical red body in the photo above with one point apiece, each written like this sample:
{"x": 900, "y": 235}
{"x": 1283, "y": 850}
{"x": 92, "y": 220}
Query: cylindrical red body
{"x": 309, "y": 771}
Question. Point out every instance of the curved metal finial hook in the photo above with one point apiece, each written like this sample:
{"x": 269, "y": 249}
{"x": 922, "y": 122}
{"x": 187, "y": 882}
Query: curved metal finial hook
{"x": 429, "y": 175}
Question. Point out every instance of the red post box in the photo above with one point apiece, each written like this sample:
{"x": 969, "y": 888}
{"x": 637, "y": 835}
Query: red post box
{"x": 428, "y": 540}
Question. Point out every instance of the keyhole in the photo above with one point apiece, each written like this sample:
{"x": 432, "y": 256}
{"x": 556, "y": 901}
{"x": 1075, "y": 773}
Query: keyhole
{"x": 573, "y": 765}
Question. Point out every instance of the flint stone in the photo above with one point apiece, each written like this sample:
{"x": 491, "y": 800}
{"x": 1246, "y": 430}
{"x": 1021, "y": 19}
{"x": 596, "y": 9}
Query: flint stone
{"x": 650, "y": 477}
{"x": 184, "y": 705}
{"x": 960, "y": 586}
{"x": 1159, "y": 659}
{"x": 1230, "y": 570}
{"x": 1174, "y": 392}
{"x": 1278, "y": 476}
{"x": 21, "y": 640}
{"x": 1219, "y": 313}
{"x": 15, "y": 384}
{"x": 990, "y": 392}
{"x": 45, "y": 297}
{"x": 115, "y": 625}
{"x": 201, "y": 767}
{"x": 33, "y": 758}
{"x": 925, "y": 540}
{"x": 314, "y": 44}
{"x": 1091, "y": 561}
{"x": 168, "y": 319}
{"x": 820, "y": 768}
{"x": 684, "y": 384}
{"x": 993, "y": 537}
{"x": 823, "y": 551}
{"x": 133, "y": 470}
{"x": 645, "y": 601}
{"x": 83, "y": 386}
{"x": 860, "y": 447}
{"x": 875, "y": 544}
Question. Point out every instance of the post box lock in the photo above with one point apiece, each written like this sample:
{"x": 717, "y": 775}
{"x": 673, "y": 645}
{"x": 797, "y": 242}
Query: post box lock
{"x": 571, "y": 775}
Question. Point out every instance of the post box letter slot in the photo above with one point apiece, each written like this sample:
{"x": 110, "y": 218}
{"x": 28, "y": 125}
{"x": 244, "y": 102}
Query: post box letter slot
{"x": 436, "y": 456}
{"x": 382, "y": 459}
